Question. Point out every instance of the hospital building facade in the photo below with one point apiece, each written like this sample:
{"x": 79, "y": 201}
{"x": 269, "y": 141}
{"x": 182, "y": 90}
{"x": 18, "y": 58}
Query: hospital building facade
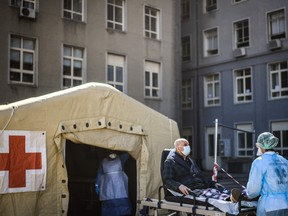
{"x": 52, "y": 45}
{"x": 234, "y": 71}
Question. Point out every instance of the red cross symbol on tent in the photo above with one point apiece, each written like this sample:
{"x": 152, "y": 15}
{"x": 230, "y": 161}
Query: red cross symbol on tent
{"x": 17, "y": 161}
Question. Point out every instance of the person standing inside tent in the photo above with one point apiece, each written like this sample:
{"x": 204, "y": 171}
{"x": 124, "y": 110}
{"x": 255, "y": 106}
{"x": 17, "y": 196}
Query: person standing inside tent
{"x": 112, "y": 186}
{"x": 181, "y": 173}
{"x": 268, "y": 178}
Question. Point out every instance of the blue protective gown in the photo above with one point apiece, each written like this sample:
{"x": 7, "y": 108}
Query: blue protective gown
{"x": 113, "y": 184}
{"x": 269, "y": 178}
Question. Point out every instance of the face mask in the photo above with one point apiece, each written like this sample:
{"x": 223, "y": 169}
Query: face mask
{"x": 259, "y": 152}
{"x": 186, "y": 150}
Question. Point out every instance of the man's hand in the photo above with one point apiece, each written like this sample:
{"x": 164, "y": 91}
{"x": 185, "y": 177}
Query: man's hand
{"x": 185, "y": 190}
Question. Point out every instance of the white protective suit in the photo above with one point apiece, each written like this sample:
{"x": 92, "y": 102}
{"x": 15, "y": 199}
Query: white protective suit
{"x": 269, "y": 178}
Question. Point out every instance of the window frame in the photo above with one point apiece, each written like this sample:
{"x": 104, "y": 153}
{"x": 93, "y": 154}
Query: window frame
{"x": 114, "y": 22}
{"x": 150, "y": 87}
{"x": 248, "y": 149}
{"x": 234, "y": 2}
{"x": 275, "y": 90}
{"x": 215, "y": 100}
{"x": 280, "y": 130}
{"x": 149, "y": 32}
{"x": 211, "y": 36}
{"x": 115, "y": 63}
{"x": 210, "y": 140}
{"x": 244, "y": 78}
{"x": 269, "y": 25}
{"x": 73, "y": 12}
{"x": 21, "y": 51}
{"x": 210, "y": 6}
{"x": 241, "y": 42}
{"x": 72, "y": 58}
{"x": 186, "y": 92}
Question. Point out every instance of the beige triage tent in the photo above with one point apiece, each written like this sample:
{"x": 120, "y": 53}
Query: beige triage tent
{"x": 93, "y": 114}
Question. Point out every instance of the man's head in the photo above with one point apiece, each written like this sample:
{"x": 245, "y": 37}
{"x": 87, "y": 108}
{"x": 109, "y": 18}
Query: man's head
{"x": 182, "y": 146}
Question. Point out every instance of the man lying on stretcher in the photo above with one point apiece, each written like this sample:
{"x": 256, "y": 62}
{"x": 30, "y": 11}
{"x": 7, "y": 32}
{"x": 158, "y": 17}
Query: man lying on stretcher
{"x": 181, "y": 173}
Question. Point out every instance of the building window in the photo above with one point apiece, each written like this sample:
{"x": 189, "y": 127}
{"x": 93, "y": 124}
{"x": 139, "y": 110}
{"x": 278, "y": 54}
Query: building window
{"x": 211, "y": 42}
{"x": 22, "y": 60}
{"x": 278, "y": 80}
{"x": 212, "y": 90}
{"x": 185, "y": 9}
{"x": 115, "y": 14}
{"x": 276, "y": 25}
{"x": 15, "y": 3}
{"x": 243, "y": 84}
{"x": 245, "y": 140}
{"x": 152, "y": 79}
{"x": 74, "y": 10}
{"x": 210, "y": 137}
{"x": 115, "y": 71}
{"x": 241, "y": 30}
{"x": 210, "y": 5}
{"x": 280, "y": 130}
{"x": 237, "y": 1}
{"x": 152, "y": 22}
{"x": 186, "y": 94}
{"x": 186, "y": 48}
{"x": 73, "y": 63}
{"x": 187, "y": 134}
{"x": 24, "y": 3}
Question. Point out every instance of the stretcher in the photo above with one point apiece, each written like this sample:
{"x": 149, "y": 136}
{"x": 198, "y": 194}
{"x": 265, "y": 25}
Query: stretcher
{"x": 192, "y": 205}
{"x": 175, "y": 203}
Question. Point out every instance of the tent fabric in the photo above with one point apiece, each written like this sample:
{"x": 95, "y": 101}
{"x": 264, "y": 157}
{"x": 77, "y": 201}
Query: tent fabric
{"x": 94, "y": 114}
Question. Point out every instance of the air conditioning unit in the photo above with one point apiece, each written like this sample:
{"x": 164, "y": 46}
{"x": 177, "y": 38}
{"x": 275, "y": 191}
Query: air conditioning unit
{"x": 275, "y": 44}
{"x": 239, "y": 52}
{"x": 27, "y": 12}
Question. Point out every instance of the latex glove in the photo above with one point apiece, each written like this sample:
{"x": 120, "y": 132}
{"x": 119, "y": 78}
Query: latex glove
{"x": 185, "y": 190}
{"x": 97, "y": 189}
{"x": 245, "y": 192}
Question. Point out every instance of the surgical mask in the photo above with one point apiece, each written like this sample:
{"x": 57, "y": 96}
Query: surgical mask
{"x": 186, "y": 150}
{"x": 259, "y": 153}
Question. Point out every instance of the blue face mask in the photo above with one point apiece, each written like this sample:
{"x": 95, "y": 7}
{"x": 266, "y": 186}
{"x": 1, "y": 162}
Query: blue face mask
{"x": 186, "y": 150}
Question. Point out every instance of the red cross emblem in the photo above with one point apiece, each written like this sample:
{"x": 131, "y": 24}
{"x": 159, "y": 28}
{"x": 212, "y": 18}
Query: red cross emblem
{"x": 17, "y": 161}
{"x": 22, "y": 161}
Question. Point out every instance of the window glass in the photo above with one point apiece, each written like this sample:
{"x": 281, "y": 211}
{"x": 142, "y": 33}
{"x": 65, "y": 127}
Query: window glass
{"x": 22, "y": 60}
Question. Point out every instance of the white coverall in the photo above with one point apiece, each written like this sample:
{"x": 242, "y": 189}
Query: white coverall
{"x": 269, "y": 178}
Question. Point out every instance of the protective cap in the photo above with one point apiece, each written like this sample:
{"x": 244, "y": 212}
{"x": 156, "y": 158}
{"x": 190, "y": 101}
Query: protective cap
{"x": 267, "y": 140}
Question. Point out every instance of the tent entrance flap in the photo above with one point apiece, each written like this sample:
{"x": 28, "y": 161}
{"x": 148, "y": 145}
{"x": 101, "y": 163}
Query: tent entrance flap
{"x": 82, "y": 162}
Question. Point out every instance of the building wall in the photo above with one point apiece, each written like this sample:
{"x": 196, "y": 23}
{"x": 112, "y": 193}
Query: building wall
{"x": 261, "y": 111}
{"x": 52, "y": 31}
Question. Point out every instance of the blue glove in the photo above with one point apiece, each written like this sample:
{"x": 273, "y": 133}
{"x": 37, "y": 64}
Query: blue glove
{"x": 97, "y": 189}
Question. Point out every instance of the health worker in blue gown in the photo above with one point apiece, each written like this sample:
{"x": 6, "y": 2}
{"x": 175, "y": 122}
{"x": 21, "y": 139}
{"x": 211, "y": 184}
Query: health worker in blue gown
{"x": 269, "y": 178}
{"x": 112, "y": 186}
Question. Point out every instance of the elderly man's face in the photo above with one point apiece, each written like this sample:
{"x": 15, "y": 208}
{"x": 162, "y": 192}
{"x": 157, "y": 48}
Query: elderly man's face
{"x": 181, "y": 145}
